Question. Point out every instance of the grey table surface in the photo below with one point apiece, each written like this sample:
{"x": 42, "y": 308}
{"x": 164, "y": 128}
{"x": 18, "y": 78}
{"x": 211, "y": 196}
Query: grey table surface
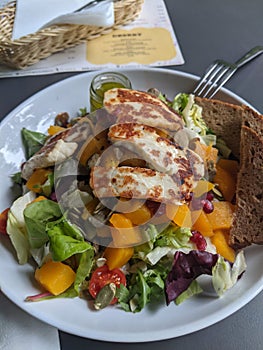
{"x": 206, "y": 29}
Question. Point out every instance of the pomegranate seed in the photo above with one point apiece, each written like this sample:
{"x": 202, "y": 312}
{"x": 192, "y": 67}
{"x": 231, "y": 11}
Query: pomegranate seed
{"x": 208, "y": 206}
{"x": 199, "y": 240}
{"x": 188, "y": 197}
{"x": 210, "y": 196}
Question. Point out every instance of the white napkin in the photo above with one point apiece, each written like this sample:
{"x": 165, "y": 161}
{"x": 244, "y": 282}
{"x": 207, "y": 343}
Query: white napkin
{"x": 19, "y": 331}
{"x": 32, "y": 15}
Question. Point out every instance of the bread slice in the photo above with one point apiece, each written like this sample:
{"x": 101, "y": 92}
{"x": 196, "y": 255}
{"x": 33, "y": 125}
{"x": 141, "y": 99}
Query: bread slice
{"x": 225, "y": 119}
{"x": 242, "y": 130}
{"x": 247, "y": 225}
{"x": 252, "y": 120}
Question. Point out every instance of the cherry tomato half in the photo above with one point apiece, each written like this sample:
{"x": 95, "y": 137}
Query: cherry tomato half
{"x": 102, "y": 276}
{"x": 3, "y": 221}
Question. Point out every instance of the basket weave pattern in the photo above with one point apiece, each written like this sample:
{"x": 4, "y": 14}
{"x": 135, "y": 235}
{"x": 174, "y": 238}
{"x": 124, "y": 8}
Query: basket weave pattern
{"x": 32, "y": 48}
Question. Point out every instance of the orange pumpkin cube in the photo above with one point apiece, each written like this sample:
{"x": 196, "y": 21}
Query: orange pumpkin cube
{"x": 55, "y": 276}
{"x": 120, "y": 221}
{"x": 139, "y": 216}
{"x": 222, "y": 215}
{"x": 37, "y": 179}
{"x": 39, "y": 199}
{"x": 180, "y": 214}
{"x": 117, "y": 257}
{"x": 229, "y": 165}
{"x": 91, "y": 146}
{"x": 220, "y": 241}
{"x": 123, "y": 233}
{"x": 201, "y": 223}
{"x": 226, "y": 183}
{"x": 226, "y": 177}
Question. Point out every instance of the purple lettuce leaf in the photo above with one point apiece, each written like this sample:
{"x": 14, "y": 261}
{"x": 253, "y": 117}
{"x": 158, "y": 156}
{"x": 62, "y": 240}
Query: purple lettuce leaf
{"x": 185, "y": 269}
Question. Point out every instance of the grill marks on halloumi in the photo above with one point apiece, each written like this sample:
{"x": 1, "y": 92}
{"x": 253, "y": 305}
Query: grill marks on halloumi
{"x": 58, "y": 148}
{"x": 132, "y": 106}
{"x": 166, "y": 172}
{"x": 48, "y": 156}
{"x": 173, "y": 174}
{"x": 160, "y": 153}
{"x": 173, "y": 171}
{"x": 140, "y": 183}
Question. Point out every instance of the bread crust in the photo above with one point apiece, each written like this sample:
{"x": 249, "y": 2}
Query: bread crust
{"x": 242, "y": 129}
{"x": 248, "y": 217}
{"x": 225, "y": 119}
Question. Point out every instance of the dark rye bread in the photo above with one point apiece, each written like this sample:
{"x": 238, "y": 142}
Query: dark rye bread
{"x": 252, "y": 120}
{"x": 247, "y": 225}
{"x": 242, "y": 130}
{"x": 225, "y": 119}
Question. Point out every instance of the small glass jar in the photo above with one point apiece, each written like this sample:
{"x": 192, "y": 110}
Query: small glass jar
{"x": 103, "y": 82}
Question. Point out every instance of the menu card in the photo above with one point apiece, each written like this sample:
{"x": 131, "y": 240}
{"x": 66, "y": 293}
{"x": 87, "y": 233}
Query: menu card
{"x": 150, "y": 40}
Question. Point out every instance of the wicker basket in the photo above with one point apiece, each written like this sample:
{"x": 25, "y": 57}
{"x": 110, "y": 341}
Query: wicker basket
{"x": 34, "y": 47}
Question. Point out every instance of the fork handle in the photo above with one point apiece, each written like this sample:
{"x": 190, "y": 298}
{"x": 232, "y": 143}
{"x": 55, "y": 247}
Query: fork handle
{"x": 250, "y": 55}
{"x": 89, "y": 4}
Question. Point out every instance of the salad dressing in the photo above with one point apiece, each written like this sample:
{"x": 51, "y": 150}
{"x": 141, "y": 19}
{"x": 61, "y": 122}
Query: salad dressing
{"x": 104, "y": 82}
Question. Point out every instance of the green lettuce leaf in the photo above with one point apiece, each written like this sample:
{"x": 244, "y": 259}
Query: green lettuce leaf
{"x": 65, "y": 240}
{"x": 225, "y": 276}
{"x": 180, "y": 102}
{"x": 47, "y": 186}
{"x": 18, "y": 237}
{"x": 36, "y": 216}
{"x": 85, "y": 265}
{"x": 17, "y": 178}
{"x": 16, "y": 227}
{"x": 175, "y": 237}
{"x": 32, "y": 141}
{"x": 185, "y": 105}
{"x": 163, "y": 243}
{"x": 193, "y": 289}
{"x": 144, "y": 288}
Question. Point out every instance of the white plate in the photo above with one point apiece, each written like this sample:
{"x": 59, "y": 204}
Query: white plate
{"x": 73, "y": 315}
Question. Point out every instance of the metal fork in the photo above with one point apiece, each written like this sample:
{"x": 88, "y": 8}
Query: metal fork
{"x": 90, "y": 4}
{"x": 220, "y": 71}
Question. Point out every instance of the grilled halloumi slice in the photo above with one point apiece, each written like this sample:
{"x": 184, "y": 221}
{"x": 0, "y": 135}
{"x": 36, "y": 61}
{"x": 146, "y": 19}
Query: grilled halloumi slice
{"x": 58, "y": 148}
{"x": 132, "y": 106}
{"x": 50, "y": 154}
{"x": 141, "y": 183}
{"x": 160, "y": 153}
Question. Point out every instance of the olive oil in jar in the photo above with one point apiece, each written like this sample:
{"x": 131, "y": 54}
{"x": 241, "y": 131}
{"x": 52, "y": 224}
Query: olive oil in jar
{"x": 103, "y": 82}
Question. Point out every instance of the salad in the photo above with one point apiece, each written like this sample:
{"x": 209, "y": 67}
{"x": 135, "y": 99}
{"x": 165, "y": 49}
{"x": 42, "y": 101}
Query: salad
{"x": 116, "y": 249}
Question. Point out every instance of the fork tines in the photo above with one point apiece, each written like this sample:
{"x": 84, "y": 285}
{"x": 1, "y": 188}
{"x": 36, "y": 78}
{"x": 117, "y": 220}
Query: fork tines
{"x": 214, "y": 78}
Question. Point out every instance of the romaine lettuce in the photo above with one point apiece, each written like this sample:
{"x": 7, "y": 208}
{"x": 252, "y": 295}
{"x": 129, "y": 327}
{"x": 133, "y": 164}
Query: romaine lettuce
{"x": 16, "y": 227}
{"x": 191, "y": 113}
{"x": 164, "y": 243}
{"x": 225, "y": 275}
